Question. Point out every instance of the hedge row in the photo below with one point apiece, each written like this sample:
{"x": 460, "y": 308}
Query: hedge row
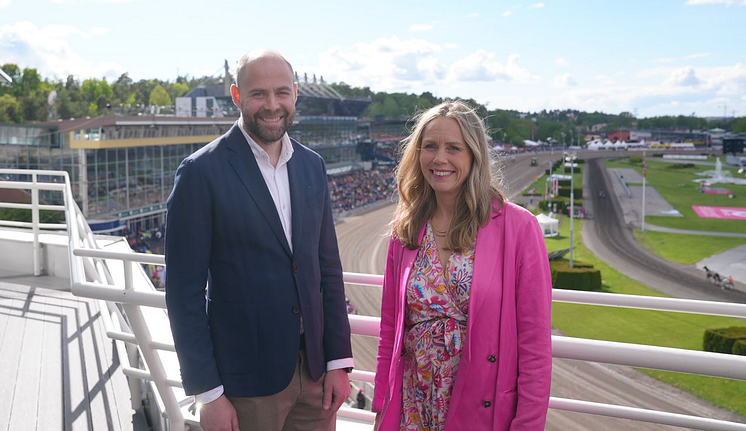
{"x": 565, "y": 192}
{"x": 739, "y": 348}
{"x": 582, "y": 276}
{"x": 725, "y": 340}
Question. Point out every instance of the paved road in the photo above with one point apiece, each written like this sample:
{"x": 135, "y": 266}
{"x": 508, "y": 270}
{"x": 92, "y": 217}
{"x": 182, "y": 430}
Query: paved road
{"x": 609, "y": 238}
{"x": 363, "y": 242}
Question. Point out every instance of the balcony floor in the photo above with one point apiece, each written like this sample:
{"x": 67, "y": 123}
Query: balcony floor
{"x": 58, "y": 368}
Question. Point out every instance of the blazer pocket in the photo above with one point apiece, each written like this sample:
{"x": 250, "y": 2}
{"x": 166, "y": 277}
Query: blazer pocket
{"x": 234, "y": 332}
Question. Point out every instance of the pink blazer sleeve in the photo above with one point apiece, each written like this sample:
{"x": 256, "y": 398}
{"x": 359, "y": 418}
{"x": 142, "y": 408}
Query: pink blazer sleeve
{"x": 388, "y": 323}
{"x": 533, "y": 313}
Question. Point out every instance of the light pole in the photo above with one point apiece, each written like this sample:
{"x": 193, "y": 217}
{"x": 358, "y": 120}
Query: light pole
{"x": 572, "y": 202}
{"x": 563, "y": 140}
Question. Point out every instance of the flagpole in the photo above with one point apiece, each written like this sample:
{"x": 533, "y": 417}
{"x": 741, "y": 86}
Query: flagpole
{"x": 644, "y": 176}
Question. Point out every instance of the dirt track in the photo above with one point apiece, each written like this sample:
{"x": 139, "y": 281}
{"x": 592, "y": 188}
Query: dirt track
{"x": 363, "y": 241}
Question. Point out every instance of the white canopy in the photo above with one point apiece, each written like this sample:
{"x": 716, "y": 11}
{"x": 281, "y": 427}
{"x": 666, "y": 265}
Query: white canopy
{"x": 549, "y": 226}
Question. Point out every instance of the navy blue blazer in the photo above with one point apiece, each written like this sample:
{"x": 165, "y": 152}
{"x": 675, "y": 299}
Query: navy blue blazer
{"x": 224, "y": 233}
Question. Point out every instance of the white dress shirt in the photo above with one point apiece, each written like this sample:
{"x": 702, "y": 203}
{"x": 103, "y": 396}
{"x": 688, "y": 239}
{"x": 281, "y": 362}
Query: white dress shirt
{"x": 276, "y": 178}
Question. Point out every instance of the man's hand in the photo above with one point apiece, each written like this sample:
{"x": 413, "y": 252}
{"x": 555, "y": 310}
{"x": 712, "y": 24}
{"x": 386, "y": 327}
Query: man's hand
{"x": 219, "y": 415}
{"x": 336, "y": 389}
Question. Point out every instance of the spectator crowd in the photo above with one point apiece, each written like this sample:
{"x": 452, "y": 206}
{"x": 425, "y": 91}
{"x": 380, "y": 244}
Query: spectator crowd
{"x": 359, "y": 188}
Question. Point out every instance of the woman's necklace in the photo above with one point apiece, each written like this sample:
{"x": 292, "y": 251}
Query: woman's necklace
{"x": 440, "y": 233}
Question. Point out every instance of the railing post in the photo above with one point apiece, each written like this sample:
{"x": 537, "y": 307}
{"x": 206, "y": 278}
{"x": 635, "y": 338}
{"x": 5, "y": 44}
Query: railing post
{"x": 153, "y": 362}
{"x": 35, "y": 224}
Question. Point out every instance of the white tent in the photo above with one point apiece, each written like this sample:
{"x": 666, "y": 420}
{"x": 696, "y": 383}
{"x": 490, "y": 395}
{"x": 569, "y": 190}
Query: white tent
{"x": 595, "y": 145}
{"x": 608, "y": 145}
{"x": 549, "y": 226}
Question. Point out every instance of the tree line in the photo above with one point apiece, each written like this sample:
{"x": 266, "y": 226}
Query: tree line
{"x": 26, "y": 100}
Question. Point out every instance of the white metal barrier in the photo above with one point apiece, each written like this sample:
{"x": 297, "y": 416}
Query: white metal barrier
{"x": 91, "y": 277}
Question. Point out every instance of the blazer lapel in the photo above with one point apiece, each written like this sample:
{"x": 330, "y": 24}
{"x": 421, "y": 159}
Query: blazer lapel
{"x": 482, "y": 285}
{"x": 299, "y": 188}
{"x": 248, "y": 172}
{"x": 485, "y": 266}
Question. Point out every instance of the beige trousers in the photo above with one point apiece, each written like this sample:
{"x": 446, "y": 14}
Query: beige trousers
{"x": 298, "y": 407}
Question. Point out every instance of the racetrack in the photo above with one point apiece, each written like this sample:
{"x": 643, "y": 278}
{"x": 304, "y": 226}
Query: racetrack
{"x": 363, "y": 240}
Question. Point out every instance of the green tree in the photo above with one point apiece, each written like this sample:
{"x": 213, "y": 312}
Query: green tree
{"x": 177, "y": 89}
{"x": 159, "y": 96}
{"x": 739, "y": 125}
{"x": 10, "y": 109}
{"x": 121, "y": 88}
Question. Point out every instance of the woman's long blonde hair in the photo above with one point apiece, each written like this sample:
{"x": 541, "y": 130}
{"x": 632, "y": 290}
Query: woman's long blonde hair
{"x": 479, "y": 194}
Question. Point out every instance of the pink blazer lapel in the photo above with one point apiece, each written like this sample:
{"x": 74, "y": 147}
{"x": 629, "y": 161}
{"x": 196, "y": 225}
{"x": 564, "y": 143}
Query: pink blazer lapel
{"x": 484, "y": 279}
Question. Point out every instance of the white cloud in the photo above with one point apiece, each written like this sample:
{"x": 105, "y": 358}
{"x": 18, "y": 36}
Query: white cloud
{"x": 507, "y": 13}
{"x": 563, "y": 81}
{"x": 605, "y": 79}
{"x": 99, "y": 31}
{"x": 725, "y": 2}
{"x": 685, "y": 76}
{"x": 688, "y": 57}
{"x": 482, "y": 66}
{"x": 47, "y": 49}
{"x": 4, "y": 3}
{"x": 561, "y": 62}
{"x": 537, "y": 6}
{"x": 421, "y": 27}
{"x": 386, "y": 64}
{"x": 471, "y": 15}
{"x": 450, "y": 46}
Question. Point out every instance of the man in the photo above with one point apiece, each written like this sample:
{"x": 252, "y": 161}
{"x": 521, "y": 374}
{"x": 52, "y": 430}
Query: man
{"x": 250, "y": 217}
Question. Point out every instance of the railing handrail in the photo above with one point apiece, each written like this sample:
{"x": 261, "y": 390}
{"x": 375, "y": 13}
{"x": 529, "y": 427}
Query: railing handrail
{"x": 90, "y": 277}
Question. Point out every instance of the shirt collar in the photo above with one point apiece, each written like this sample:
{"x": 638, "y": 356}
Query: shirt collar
{"x": 285, "y": 153}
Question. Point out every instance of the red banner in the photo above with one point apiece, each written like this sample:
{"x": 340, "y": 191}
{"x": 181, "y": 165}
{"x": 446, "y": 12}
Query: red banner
{"x": 732, "y": 213}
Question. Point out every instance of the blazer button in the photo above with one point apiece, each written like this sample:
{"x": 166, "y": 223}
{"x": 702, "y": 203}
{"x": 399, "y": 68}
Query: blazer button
{"x": 296, "y": 310}
{"x": 491, "y": 358}
{"x": 486, "y": 403}
{"x": 295, "y": 268}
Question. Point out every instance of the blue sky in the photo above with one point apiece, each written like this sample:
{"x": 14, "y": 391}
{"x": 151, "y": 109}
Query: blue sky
{"x": 650, "y": 57}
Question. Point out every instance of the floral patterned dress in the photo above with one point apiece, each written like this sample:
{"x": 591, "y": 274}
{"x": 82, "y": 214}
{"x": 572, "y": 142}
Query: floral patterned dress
{"x": 437, "y": 308}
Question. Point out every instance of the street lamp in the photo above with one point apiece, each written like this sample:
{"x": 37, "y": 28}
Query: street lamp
{"x": 563, "y": 140}
{"x": 571, "y": 159}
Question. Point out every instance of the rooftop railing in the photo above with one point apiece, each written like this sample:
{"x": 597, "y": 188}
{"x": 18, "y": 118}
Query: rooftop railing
{"x": 136, "y": 317}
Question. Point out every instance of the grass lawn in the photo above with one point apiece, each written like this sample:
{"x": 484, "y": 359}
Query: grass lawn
{"x": 678, "y": 247}
{"x": 677, "y": 187}
{"x": 658, "y": 328}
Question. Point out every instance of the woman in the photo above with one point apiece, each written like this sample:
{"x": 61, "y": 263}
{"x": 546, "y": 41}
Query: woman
{"x": 465, "y": 339}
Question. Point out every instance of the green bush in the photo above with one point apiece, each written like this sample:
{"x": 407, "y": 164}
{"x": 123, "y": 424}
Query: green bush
{"x": 739, "y": 348}
{"x": 722, "y": 340}
{"x": 565, "y": 192}
{"x": 582, "y": 276}
{"x": 681, "y": 166}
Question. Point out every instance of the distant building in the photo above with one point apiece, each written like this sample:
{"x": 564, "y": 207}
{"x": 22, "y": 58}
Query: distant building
{"x": 698, "y": 138}
{"x": 122, "y": 167}
{"x": 618, "y": 135}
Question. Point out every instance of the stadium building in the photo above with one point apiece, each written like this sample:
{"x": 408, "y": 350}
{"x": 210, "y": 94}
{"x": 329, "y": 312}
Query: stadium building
{"x": 122, "y": 167}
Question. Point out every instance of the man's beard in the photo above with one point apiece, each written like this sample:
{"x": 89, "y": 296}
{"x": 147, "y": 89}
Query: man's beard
{"x": 264, "y": 133}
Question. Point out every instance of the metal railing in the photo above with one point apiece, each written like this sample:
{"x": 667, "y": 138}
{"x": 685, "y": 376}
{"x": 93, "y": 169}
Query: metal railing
{"x": 91, "y": 271}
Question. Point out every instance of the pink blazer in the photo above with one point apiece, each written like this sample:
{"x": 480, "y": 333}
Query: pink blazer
{"x": 505, "y": 371}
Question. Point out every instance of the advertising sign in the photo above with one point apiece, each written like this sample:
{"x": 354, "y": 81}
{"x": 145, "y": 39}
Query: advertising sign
{"x": 731, "y": 213}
